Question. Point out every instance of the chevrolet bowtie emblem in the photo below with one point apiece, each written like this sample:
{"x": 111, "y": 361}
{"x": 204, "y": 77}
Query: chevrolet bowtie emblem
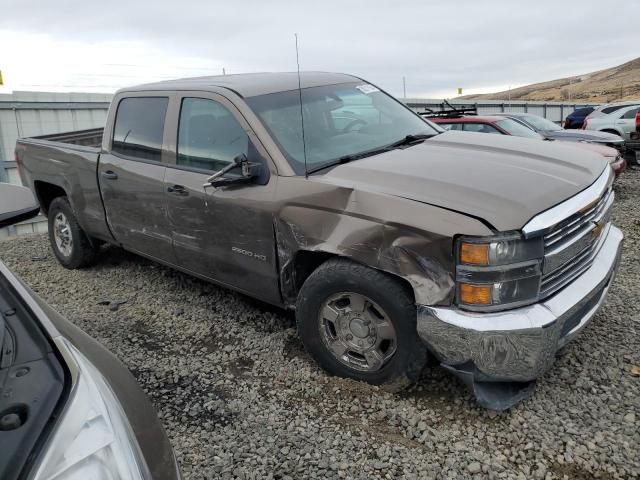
{"x": 597, "y": 229}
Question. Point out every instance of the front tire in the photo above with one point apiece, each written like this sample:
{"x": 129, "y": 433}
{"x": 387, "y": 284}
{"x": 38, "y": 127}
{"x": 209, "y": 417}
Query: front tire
{"x": 360, "y": 323}
{"x": 70, "y": 244}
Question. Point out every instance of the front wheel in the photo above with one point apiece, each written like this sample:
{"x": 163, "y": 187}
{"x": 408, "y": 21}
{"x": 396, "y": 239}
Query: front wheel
{"x": 360, "y": 323}
{"x": 71, "y": 245}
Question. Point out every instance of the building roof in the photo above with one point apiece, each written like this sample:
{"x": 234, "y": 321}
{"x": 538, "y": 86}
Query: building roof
{"x": 251, "y": 84}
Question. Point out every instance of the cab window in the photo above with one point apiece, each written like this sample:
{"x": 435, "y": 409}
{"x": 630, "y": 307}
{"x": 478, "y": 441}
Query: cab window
{"x": 139, "y": 127}
{"x": 209, "y": 136}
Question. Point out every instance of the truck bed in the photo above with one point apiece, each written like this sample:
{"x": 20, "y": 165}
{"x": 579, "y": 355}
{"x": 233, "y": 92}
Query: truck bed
{"x": 90, "y": 138}
{"x": 66, "y": 164}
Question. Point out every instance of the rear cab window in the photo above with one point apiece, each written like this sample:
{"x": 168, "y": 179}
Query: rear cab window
{"x": 139, "y": 126}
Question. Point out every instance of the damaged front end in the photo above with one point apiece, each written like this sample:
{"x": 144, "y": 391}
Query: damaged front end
{"x": 408, "y": 239}
{"x": 499, "y": 356}
{"x": 492, "y": 308}
{"x": 557, "y": 274}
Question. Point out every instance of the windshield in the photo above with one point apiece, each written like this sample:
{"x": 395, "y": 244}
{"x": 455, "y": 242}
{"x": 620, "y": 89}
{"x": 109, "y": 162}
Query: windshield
{"x": 540, "y": 123}
{"x": 516, "y": 128}
{"x": 339, "y": 120}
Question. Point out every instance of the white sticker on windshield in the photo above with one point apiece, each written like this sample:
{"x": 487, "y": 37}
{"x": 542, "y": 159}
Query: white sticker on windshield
{"x": 367, "y": 89}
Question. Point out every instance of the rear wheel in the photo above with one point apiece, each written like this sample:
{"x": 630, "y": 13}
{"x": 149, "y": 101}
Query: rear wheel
{"x": 71, "y": 245}
{"x": 360, "y": 323}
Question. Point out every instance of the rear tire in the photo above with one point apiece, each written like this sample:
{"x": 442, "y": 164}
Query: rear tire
{"x": 360, "y": 323}
{"x": 70, "y": 244}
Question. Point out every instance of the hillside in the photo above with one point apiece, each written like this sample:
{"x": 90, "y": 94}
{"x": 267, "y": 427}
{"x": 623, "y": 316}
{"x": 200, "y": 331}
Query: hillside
{"x": 616, "y": 83}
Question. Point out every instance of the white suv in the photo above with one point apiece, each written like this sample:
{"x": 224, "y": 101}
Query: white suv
{"x": 621, "y": 121}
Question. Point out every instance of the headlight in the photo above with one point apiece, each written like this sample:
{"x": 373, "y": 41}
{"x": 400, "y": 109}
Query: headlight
{"x": 93, "y": 439}
{"x": 495, "y": 273}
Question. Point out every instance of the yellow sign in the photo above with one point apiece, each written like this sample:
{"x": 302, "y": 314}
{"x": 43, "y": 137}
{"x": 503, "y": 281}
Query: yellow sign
{"x": 459, "y": 91}
{"x": 1, "y": 78}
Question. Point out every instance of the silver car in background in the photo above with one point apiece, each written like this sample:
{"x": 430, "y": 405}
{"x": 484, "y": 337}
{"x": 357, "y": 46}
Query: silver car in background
{"x": 621, "y": 121}
{"x": 607, "y": 108}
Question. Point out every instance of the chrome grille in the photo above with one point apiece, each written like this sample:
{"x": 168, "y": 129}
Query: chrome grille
{"x": 571, "y": 246}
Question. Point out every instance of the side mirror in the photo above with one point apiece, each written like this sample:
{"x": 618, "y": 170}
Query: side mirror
{"x": 16, "y": 204}
{"x": 247, "y": 172}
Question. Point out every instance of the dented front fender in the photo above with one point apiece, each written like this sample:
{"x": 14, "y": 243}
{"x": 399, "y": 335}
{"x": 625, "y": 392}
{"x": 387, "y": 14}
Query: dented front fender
{"x": 400, "y": 236}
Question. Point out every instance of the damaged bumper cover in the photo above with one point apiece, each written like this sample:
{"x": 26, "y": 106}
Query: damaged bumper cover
{"x": 517, "y": 346}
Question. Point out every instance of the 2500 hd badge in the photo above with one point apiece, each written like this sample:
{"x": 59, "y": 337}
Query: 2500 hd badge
{"x": 247, "y": 253}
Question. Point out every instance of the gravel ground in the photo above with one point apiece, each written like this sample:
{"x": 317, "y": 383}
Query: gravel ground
{"x": 240, "y": 398}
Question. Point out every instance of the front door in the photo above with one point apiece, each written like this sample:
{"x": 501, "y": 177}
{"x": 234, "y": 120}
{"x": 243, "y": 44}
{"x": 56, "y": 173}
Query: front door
{"x": 225, "y": 234}
{"x": 131, "y": 177}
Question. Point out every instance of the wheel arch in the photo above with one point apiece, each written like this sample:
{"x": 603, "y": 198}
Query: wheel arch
{"x": 46, "y": 193}
{"x": 305, "y": 262}
{"x": 615, "y": 131}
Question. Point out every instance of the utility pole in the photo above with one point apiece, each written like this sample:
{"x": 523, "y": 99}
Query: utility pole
{"x": 509, "y": 97}
{"x": 569, "y": 89}
{"x": 404, "y": 87}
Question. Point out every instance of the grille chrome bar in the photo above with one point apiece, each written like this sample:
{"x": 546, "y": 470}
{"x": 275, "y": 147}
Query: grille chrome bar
{"x": 571, "y": 245}
{"x": 572, "y": 224}
{"x": 564, "y": 275}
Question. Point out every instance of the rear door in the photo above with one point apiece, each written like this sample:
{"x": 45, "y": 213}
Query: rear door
{"x": 627, "y": 122}
{"x": 131, "y": 175}
{"x": 224, "y": 234}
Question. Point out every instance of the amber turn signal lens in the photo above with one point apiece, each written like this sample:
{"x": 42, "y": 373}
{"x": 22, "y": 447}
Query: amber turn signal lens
{"x": 475, "y": 294}
{"x": 474, "y": 253}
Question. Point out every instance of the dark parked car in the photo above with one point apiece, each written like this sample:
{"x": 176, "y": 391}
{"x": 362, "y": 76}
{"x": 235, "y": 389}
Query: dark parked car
{"x": 392, "y": 239}
{"x": 552, "y": 131}
{"x": 511, "y": 126}
{"x": 576, "y": 118}
{"x": 69, "y": 409}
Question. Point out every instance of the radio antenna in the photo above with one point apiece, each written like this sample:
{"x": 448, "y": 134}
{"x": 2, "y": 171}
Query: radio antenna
{"x": 304, "y": 143}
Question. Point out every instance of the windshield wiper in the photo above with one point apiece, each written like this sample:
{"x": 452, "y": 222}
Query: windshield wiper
{"x": 350, "y": 158}
{"x": 410, "y": 139}
{"x": 407, "y": 140}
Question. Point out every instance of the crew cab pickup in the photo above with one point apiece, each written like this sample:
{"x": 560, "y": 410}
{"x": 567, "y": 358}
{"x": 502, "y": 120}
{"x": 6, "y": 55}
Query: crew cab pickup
{"x": 392, "y": 239}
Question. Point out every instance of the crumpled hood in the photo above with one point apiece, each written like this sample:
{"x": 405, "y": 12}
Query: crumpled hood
{"x": 584, "y": 135}
{"x": 501, "y": 179}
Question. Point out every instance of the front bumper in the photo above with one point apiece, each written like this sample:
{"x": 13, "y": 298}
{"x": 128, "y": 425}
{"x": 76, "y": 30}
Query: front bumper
{"x": 519, "y": 345}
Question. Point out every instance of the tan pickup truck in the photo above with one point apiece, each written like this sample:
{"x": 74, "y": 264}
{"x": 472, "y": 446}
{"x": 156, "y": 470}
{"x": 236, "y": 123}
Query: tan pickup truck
{"x": 393, "y": 240}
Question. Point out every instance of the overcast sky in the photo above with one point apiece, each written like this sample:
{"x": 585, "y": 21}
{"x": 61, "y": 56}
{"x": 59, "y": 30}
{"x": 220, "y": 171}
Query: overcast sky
{"x": 480, "y": 45}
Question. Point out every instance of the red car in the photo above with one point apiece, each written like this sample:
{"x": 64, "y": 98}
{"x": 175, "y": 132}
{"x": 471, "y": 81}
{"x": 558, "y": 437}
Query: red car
{"x": 508, "y": 126}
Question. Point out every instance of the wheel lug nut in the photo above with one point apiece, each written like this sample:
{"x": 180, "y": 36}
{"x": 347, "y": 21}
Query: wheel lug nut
{"x": 349, "y": 337}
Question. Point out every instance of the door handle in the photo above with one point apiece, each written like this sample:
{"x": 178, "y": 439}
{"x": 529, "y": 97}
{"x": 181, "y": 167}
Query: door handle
{"x": 109, "y": 175}
{"x": 178, "y": 190}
